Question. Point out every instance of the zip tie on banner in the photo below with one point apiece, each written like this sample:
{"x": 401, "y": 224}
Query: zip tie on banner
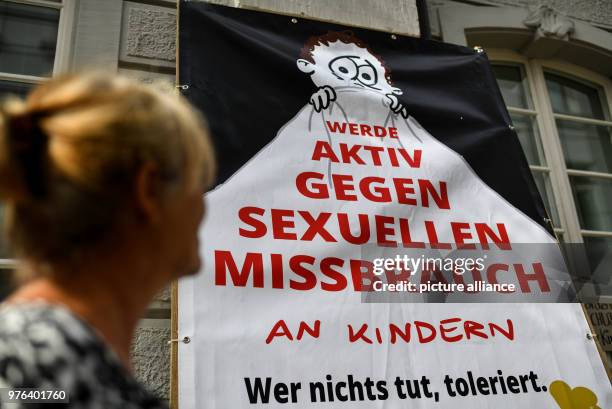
{"x": 182, "y": 87}
{"x": 185, "y": 340}
{"x": 590, "y": 336}
{"x": 479, "y": 49}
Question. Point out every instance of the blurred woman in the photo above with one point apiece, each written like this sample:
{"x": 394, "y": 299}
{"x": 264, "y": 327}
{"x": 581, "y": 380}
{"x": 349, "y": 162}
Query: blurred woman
{"x": 103, "y": 181}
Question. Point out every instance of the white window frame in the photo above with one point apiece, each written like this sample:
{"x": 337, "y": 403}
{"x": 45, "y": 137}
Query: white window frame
{"x": 547, "y": 131}
{"x": 63, "y": 45}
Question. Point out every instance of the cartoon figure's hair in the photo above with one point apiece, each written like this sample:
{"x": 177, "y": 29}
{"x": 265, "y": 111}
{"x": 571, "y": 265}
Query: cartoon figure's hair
{"x": 346, "y": 37}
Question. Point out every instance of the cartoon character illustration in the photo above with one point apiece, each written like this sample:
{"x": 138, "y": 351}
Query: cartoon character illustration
{"x": 339, "y": 60}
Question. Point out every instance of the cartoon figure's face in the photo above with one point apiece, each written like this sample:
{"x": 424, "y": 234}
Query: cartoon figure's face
{"x": 347, "y": 65}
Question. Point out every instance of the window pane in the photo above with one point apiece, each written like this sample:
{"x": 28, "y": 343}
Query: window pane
{"x": 593, "y": 197}
{"x": 586, "y": 147}
{"x": 526, "y": 129}
{"x": 511, "y": 83}
{"x": 598, "y": 251}
{"x": 14, "y": 88}
{"x": 573, "y": 98}
{"x": 542, "y": 181}
{"x": 28, "y": 36}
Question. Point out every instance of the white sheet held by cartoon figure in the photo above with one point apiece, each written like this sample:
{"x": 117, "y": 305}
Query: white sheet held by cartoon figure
{"x": 330, "y": 137}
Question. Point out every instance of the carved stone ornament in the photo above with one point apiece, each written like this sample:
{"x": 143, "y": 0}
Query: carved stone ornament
{"x": 549, "y": 23}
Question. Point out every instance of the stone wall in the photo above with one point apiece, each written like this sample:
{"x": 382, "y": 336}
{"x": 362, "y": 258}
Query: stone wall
{"x": 597, "y": 12}
{"x": 146, "y": 52}
{"x": 151, "y": 355}
{"x": 148, "y": 36}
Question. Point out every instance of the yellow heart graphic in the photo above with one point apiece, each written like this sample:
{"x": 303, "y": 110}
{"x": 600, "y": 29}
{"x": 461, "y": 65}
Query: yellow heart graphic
{"x": 576, "y": 398}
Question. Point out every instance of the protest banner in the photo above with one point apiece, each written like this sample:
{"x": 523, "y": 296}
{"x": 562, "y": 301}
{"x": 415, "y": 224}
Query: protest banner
{"x": 339, "y": 149}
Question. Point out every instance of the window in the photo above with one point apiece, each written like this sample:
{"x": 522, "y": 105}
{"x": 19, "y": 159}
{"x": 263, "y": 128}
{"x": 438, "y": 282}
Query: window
{"x": 34, "y": 44}
{"x": 561, "y": 114}
{"x": 517, "y": 95}
{"x": 585, "y": 135}
{"x": 34, "y": 39}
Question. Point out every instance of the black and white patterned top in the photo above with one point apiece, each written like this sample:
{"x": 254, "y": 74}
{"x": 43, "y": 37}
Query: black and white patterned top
{"x": 48, "y": 347}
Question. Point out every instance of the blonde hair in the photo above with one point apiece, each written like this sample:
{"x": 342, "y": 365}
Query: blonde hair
{"x": 70, "y": 152}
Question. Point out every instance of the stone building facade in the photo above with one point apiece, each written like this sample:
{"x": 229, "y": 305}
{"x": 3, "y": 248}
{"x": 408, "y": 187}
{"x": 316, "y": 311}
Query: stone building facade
{"x": 553, "y": 59}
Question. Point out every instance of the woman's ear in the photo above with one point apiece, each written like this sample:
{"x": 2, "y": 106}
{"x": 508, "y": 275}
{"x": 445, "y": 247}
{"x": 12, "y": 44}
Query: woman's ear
{"x": 146, "y": 193}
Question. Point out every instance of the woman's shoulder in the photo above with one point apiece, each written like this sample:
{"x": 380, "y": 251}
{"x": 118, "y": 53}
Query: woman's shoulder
{"x": 48, "y": 347}
{"x": 37, "y": 341}
{"x": 42, "y": 327}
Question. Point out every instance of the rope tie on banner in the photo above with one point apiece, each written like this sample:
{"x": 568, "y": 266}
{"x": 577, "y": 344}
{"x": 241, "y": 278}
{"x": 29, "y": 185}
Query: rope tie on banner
{"x": 183, "y": 87}
{"x": 184, "y": 340}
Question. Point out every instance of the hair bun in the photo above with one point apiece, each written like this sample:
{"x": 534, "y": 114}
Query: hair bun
{"x": 24, "y": 157}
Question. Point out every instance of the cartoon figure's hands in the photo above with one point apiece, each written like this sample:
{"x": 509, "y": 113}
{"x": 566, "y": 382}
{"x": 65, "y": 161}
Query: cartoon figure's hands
{"x": 395, "y": 105}
{"x": 321, "y": 99}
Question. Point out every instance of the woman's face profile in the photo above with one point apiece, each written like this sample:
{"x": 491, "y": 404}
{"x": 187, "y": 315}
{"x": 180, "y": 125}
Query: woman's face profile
{"x": 172, "y": 224}
{"x": 185, "y": 213}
